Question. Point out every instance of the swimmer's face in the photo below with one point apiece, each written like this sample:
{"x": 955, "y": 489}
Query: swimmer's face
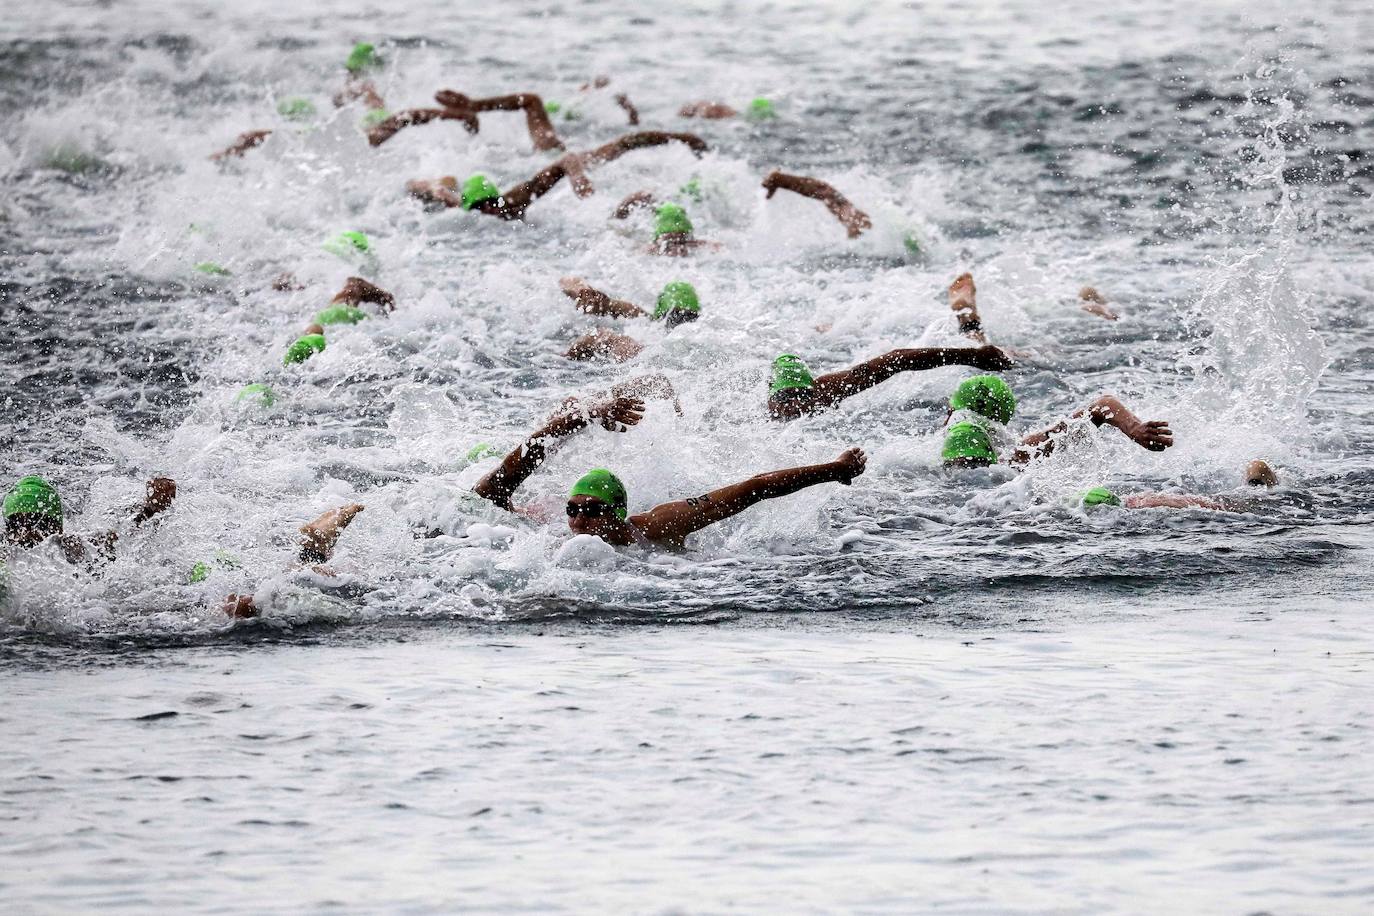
{"x": 968, "y": 463}
{"x": 24, "y": 530}
{"x": 589, "y": 515}
{"x": 679, "y": 316}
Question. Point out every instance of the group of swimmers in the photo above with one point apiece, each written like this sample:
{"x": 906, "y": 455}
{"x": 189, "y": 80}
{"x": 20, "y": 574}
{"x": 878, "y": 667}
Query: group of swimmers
{"x": 598, "y": 504}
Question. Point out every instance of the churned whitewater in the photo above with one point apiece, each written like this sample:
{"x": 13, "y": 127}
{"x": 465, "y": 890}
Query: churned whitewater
{"x": 931, "y": 690}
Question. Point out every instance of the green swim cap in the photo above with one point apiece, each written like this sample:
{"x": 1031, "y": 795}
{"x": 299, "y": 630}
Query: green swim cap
{"x": 552, "y": 107}
{"x": 200, "y": 572}
{"x": 986, "y": 395}
{"x": 340, "y": 314}
{"x": 481, "y": 450}
{"x": 304, "y": 348}
{"x": 296, "y": 109}
{"x": 211, "y": 268}
{"x": 676, "y": 295}
{"x": 605, "y": 486}
{"x": 477, "y": 189}
{"x": 692, "y": 189}
{"x": 671, "y": 218}
{"x": 33, "y": 496}
{"x": 760, "y": 109}
{"x": 346, "y": 244}
{"x": 789, "y": 372}
{"x": 223, "y": 559}
{"x": 912, "y": 243}
{"x": 362, "y": 57}
{"x": 257, "y": 391}
{"x": 968, "y": 441}
{"x": 1099, "y": 496}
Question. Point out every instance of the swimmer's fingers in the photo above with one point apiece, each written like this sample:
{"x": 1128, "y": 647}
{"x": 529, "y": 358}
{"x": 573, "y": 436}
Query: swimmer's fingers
{"x": 850, "y": 465}
{"x": 1158, "y": 435}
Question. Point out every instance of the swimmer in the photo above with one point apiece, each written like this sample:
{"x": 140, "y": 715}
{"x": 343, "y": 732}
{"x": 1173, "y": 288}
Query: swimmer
{"x": 677, "y": 304}
{"x": 759, "y": 109}
{"x": 343, "y": 308}
{"x": 970, "y": 444}
{"x": 1258, "y": 473}
{"x": 599, "y": 504}
{"x": 1094, "y": 303}
{"x": 33, "y": 515}
{"x": 853, "y": 219}
{"x": 317, "y": 548}
{"x": 481, "y": 194}
{"x": 459, "y": 107}
{"x": 793, "y": 392}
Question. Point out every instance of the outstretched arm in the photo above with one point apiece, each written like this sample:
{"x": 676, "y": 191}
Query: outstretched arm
{"x": 595, "y": 302}
{"x": 837, "y": 386}
{"x": 536, "y": 118}
{"x": 1172, "y": 501}
{"x": 243, "y": 144}
{"x": 963, "y": 301}
{"x": 674, "y": 521}
{"x": 853, "y": 219}
{"x": 609, "y": 152}
{"x": 500, "y": 485}
{"x": 1154, "y": 435}
{"x": 713, "y": 111}
{"x": 388, "y": 128}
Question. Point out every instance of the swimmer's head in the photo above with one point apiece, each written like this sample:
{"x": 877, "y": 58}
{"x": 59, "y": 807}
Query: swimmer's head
{"x": 482, "y": 450}
{"x": 362, "y": 58}
{"x": 1259, "y": 474}
{"x": 760, "y": 109}
{"x": 339, "y": 314}
{"x": 552, "y": 107}
{"x": 671, "y": 219}
{"x": 790, "y": 372}
{"x": 296, "y": 109}
{"x": 691, "y": 189}
{"x": 677, "y": 304}
{"x": 967, "y": 446}
{"x": 304, "y": 347}
{"x": 348, "y": 244}
{"x": 33, "y": 512}
{"x": 477, "y": 189}
{"x": 1099, "y": 496}
{"x": 597, "y": 502}
{"x": 985, "y": 395}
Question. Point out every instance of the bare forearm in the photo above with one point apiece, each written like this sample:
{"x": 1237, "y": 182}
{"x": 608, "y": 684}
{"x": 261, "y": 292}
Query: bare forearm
{"x": 624, "y": 102}
{"x": 616, "y": 148}
{"x": 807, "y": 187}
{"x": 1110, "y": 411}
{"x": 595, "y": 302}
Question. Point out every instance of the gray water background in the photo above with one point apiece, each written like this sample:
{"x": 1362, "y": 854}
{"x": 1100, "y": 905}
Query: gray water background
{"x": 982, "y": 698}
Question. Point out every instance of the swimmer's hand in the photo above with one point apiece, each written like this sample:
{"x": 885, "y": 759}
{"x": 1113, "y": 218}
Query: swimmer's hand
{"x": 160, "y": 494}
{"x": 992, "y": 359}
{"x": 1154, "y": 435}
{"x": 618, "y": 414}
{"x": 850, "y": 465}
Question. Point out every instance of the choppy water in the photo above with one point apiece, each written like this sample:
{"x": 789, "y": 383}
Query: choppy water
{"x": 1206, "y": 167}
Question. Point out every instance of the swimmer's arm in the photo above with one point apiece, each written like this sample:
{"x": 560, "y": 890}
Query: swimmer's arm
{"x": 159, "y": 495}
{"x": 604, "y": 344}
{"x": 1154, "y": 435}
{"x": 851, "y": 217}
{"x": 356, "y": 291}
{"x": 616, "y": 148}
{"x": 413, "y": 116}
{"x": 624, "y": 102}
{"x": 595, "y": 302}
{"x": 674, "y": 521}
{"x": 359, "y": 89}
{"x": 1172, "y": 501}
{"x": 639, "y": 200}
{"x": 501, "y": 483}
{"x": 243, "y": 144}
{"x": 318, "y": 539}
{"x": 536, "y": 118}
{"x": 837, "y": 386}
